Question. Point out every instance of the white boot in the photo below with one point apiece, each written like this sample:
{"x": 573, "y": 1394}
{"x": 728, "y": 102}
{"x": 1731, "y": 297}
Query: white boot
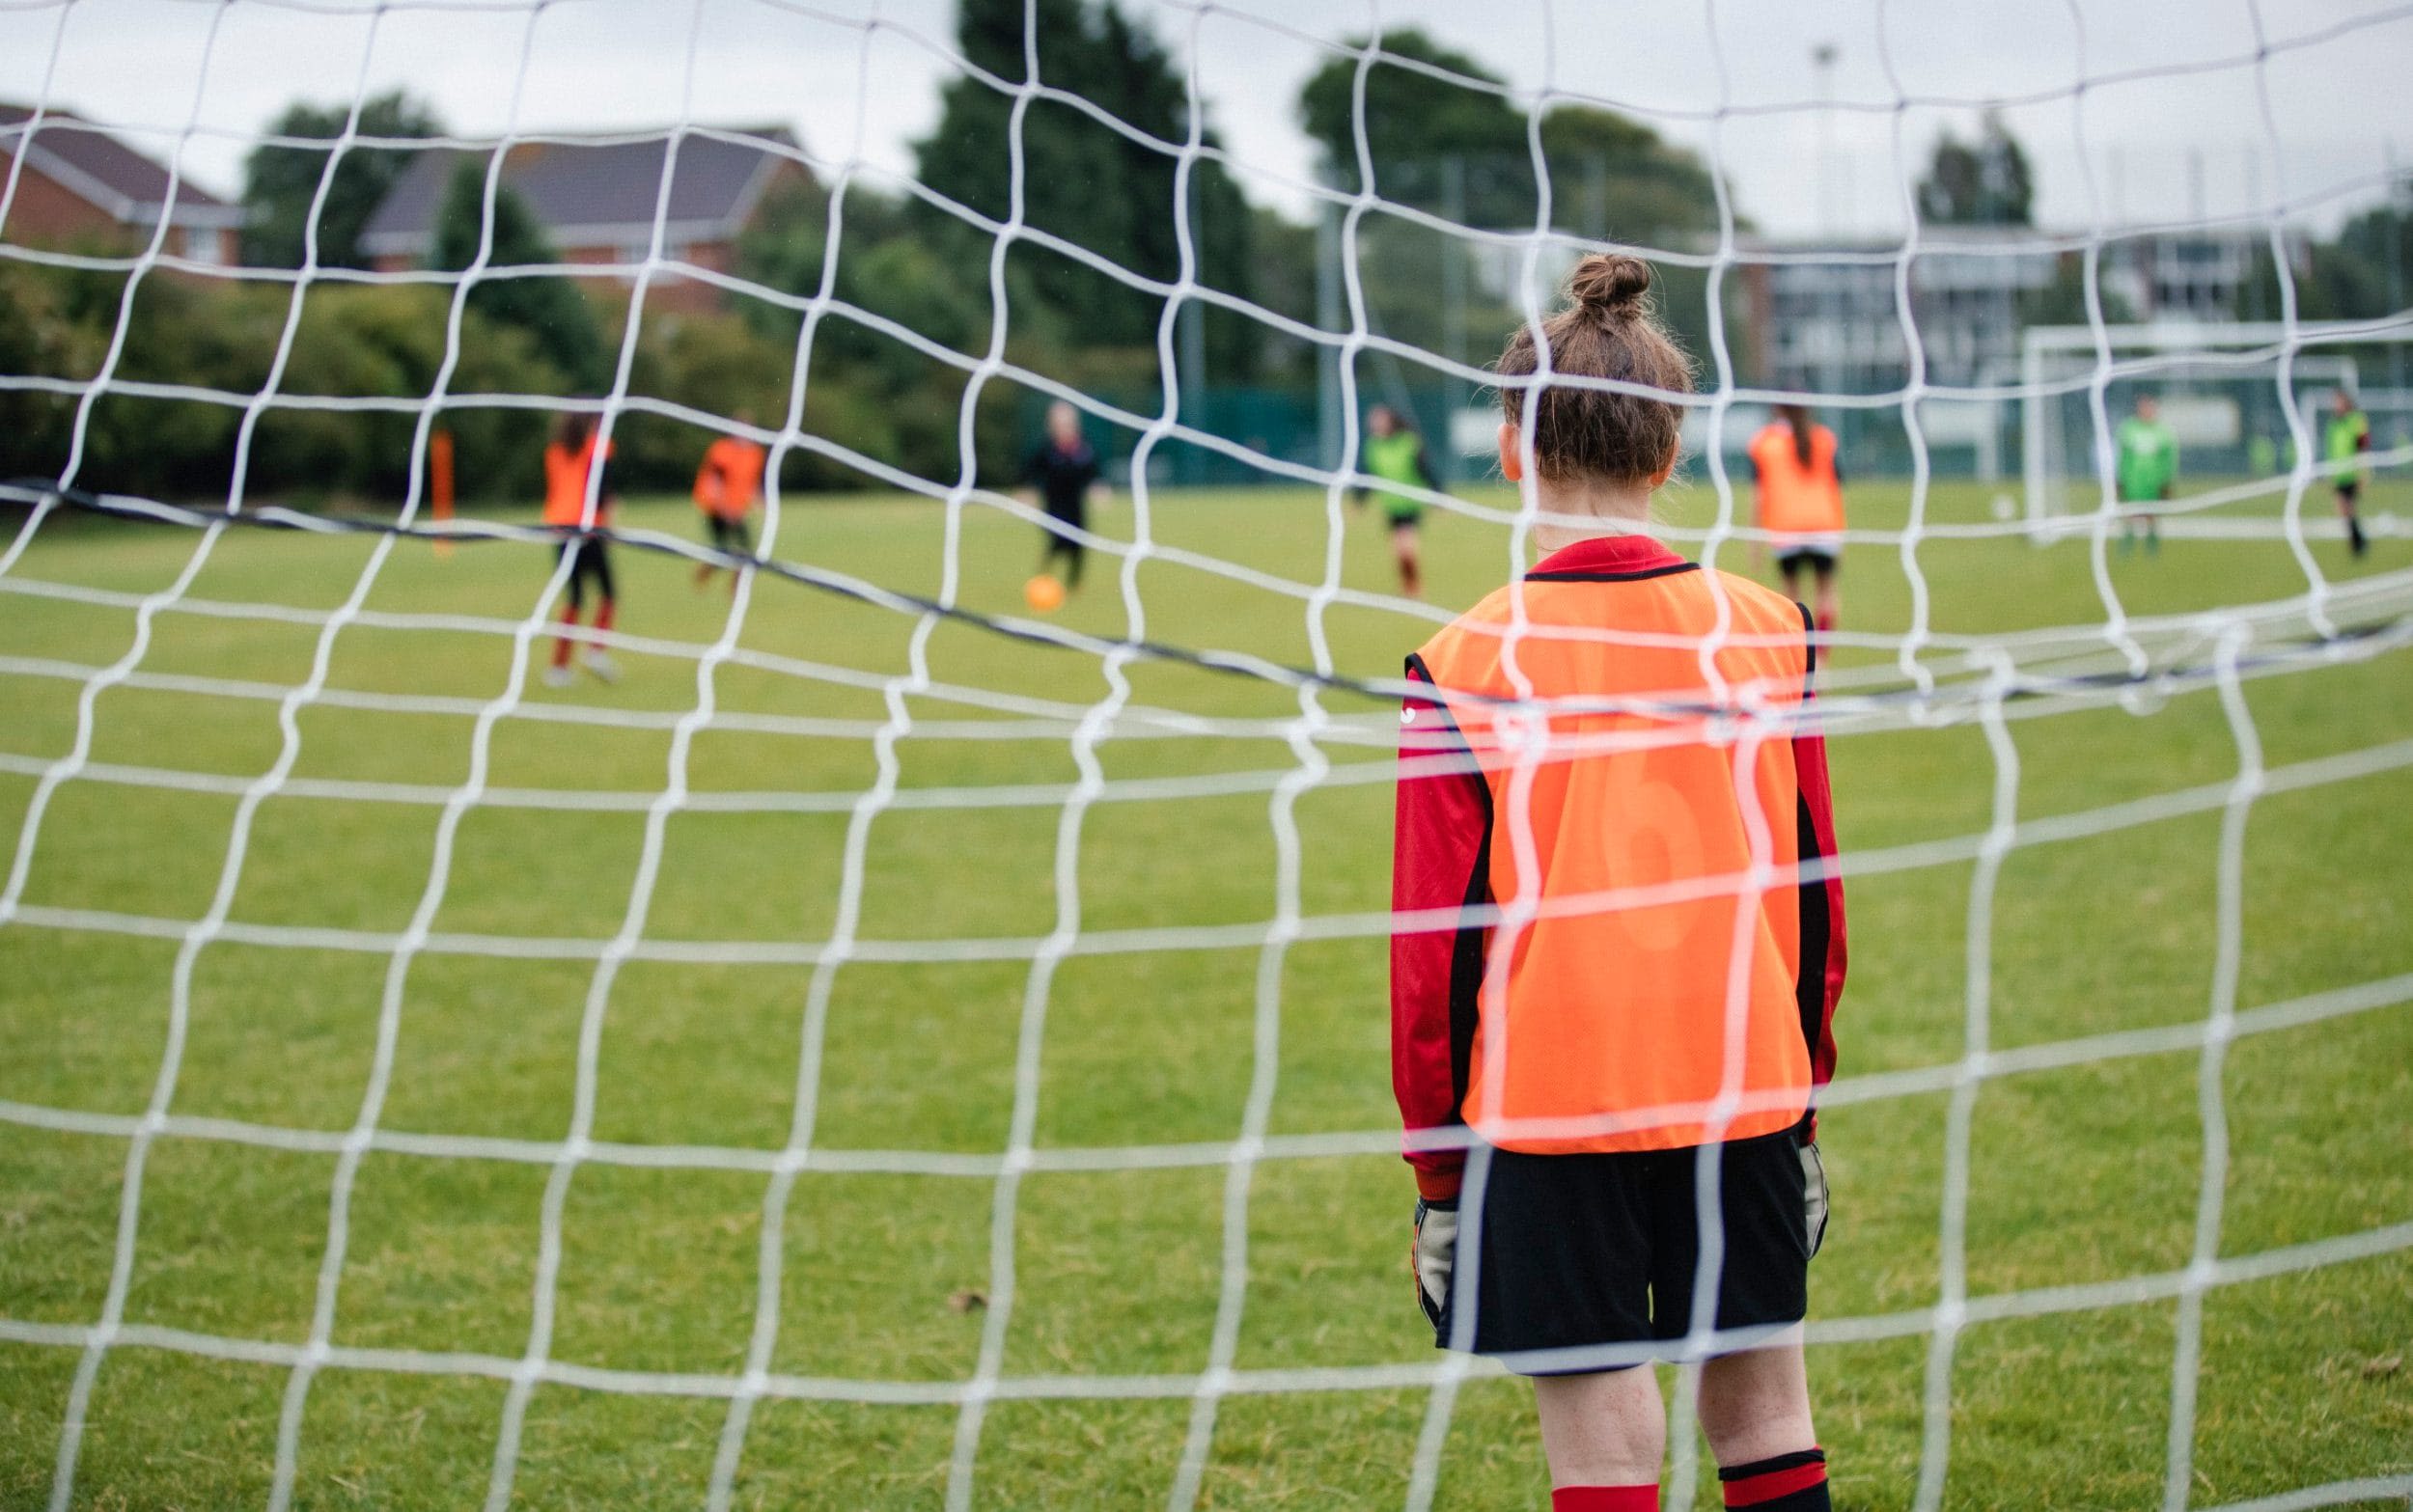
{"x": 557, "y": 676}
{"x": 599, "y": 662}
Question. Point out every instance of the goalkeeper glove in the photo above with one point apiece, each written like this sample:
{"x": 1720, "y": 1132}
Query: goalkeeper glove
{"x": 1435, "y": 1252}
{"x": 1814, "y": 1194}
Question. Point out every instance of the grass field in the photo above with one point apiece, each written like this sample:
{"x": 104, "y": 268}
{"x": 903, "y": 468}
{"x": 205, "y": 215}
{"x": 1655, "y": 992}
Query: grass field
{"x": 2080, "y": 1174}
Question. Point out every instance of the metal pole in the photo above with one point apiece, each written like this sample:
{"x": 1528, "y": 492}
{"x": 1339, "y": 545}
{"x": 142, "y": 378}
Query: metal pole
{"x": 1453, "y": 272}
{"x": 1831, "y": 299}
{"x": 1329, "y": 319}
{"x": 2399, "y": 204}
{"x": 1822, "y": 58}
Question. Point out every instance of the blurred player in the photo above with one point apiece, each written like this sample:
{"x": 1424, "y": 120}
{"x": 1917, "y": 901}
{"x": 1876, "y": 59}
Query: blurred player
{"x": 727, "y": 488}
{"x": 1584, "y": 1055}
{"x": 1396, "y": 453}
{"x": 1063, "y": 477}
{"x": 2147, "y": 468}
{"x": 2343, "y": 439}
{"x": 568, "y": 459}
{"x": 1801, "y": 503}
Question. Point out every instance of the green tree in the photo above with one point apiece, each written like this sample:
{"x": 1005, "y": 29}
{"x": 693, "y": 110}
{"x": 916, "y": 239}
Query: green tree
{"x": 2062, "y": 301}
{"x": 1460, "y": 149}
{"x": 1464, "y": 150}
{"x": 877, "y": 394}
{"x": 1082, "y": 180}
{"x": 1984, "y": 182}
{"x": 548, "y": 306}
{"x": 280, "y": 181}
{"x": 2367, "y": 271}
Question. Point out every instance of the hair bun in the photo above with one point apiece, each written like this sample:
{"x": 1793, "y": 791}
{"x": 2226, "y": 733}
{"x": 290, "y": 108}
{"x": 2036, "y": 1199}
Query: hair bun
{"x": 1609, "y": 284}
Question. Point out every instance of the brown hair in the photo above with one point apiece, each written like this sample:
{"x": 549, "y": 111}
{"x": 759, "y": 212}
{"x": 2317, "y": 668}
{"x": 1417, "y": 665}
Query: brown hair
{"x": 571, "y": 429}
{"x": 1797, "y": 416}
{"x": 1610, "y": 332}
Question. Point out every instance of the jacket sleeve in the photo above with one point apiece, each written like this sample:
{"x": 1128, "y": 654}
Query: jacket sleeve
{"x": 1440, "y": 867}
{"x": 1820, "y": 986}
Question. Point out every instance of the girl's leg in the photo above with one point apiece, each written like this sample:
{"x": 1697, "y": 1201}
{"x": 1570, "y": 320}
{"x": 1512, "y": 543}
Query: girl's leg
{"x": 1411, "y": 564}
{"x": 599, "y": 660}
{"x": 576, "y": 600}
{"x": 1606, "y": 1429}
{"x": 609, "y": 597}
{"x": 741, "y": 543}
{"x": 1829, "y": 608}
{"x": 1755, "y": 1407}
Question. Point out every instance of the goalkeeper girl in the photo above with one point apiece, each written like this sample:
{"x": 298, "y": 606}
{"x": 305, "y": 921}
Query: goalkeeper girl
{"x": 568, "y": 461}
{"x": 2344, "y": 438}
{"x": 1396, "y": 453}
{"x": 727, "y": 486}
{"x": 1801, "y": 503}
{"x": 1611, "y": 1006}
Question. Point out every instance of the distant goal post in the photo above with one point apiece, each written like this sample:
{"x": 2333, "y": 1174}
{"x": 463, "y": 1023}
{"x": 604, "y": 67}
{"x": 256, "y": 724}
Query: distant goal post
{"x": 2220, "y": 386}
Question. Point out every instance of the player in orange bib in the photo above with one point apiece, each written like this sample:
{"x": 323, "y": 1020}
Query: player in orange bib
{"x": 1801, "y": 503}
{"x": 568, "y": 459}
{"x": 1618, "y": 950}
{"x": 727, "y": 488}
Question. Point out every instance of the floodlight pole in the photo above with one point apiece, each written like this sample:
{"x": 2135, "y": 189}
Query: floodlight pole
{"x": 1330, "y": 320}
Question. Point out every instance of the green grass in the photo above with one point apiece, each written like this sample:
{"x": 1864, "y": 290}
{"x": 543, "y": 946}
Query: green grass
{"x": 2083, "y": 1174}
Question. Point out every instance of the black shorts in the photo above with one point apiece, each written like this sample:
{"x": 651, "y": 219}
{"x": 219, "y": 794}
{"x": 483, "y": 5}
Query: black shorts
{"x": 728, "y": 534}
{"x": 587, "y": 559}
{"x": 1581, "y": 1250}
{"x": 2348, "y": 489}
{"x": 1818, "y": 559}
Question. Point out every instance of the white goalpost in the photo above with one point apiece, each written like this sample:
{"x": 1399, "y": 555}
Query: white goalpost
{"x": 1113, "y": 721}
{"x": 2246, "y": 401}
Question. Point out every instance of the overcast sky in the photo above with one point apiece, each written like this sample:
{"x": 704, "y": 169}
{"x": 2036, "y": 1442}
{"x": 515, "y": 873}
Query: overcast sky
{"x": 2157, "y": 147}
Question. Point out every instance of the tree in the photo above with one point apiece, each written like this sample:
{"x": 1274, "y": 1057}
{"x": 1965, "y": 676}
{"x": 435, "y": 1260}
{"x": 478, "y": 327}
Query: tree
{"x": 1462, "y": 150}
{"x": 1985, "y": 182}
{"x": 280, "y": 181}
{"x": 879, "y": 394}
{"x": 548, "y": 306}
{"x": 1082, "y": 180}
{"x": 2365, "y": 273}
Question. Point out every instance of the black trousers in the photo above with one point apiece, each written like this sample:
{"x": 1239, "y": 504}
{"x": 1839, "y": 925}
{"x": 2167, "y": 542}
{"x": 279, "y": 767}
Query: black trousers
{"x": 1065, "y": 548}
{"x": 587, "y": 559}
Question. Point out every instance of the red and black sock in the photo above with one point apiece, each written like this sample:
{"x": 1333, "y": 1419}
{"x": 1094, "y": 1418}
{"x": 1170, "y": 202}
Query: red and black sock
{"x": 1643, "y": 1498}
{"x": 1786, "y": 1483}
{"x": 603, "y": 615}
{"x": 561, "y": 642}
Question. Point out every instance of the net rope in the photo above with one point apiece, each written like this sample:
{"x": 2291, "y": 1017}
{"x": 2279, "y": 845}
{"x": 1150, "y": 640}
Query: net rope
{"x": 1935, "y": 678}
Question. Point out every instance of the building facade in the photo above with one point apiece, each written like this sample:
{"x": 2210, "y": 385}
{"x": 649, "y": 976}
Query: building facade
{"x": 598, "y": 198}
{"x": 82, "y": 188}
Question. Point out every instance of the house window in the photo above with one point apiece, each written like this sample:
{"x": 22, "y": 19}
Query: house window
{"x": 203, "y": 244}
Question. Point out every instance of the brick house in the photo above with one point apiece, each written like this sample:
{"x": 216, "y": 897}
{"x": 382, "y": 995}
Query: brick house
{"x": 81, "y": 188}
{"x": 597, "y": 200}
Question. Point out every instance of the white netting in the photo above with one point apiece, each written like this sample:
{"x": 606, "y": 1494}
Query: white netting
{"x": 1925, "y": 675}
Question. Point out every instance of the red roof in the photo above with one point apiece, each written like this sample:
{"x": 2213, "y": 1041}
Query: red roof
{"x": 97, "y": 167}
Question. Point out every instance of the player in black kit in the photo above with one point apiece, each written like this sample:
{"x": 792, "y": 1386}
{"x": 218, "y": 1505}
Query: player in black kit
{"x": 1063, "y": 475}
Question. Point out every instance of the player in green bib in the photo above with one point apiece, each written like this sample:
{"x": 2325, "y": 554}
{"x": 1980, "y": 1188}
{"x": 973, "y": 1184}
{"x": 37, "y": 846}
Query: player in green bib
{"x": 1394, "y": 453}
{"x": 2147, "y": 467}
{"x": 2344, "y": 440}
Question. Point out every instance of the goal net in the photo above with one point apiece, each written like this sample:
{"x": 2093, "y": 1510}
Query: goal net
{"x": 856, "y": 1023}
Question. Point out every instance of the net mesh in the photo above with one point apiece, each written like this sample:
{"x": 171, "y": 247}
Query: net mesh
{"x": 1924, "y": 676}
